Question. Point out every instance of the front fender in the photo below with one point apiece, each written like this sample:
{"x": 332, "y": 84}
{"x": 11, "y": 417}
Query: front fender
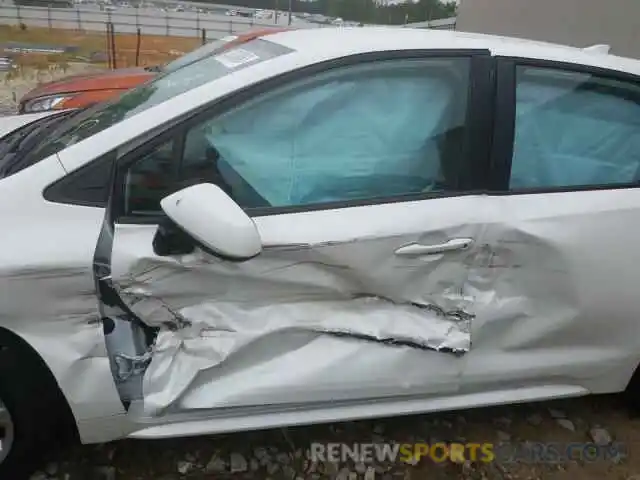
{"x": 73, "y": 357}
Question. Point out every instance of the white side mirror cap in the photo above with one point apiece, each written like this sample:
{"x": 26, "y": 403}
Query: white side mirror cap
{"x": 214, "y": 220}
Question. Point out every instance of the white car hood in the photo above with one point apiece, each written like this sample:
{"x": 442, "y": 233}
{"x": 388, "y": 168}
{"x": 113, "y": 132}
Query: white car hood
{"x": 12, "y": 122}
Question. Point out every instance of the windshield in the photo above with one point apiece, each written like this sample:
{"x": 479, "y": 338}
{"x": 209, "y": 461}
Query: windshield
{"x": 16, "y": 145}
{"x": 162, "y": 88}
{"x": 197, "y": 54}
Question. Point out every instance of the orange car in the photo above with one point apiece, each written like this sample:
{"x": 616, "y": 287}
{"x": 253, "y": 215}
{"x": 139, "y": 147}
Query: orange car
{"x": 79, "y": 91}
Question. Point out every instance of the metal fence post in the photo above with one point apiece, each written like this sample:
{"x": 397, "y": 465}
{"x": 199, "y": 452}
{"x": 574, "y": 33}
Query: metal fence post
{"x": 230, "y": 26}
{"x": 18, "y": 14}
{"x": 108, "y": 37}
{"x": 79, "y": 19}
{"x": 137, "y": 18}
{"x": 138, "y": 46}
{"x": 166, "y": 18}
{"x": 113, "y": 44}
{"x": 49, "y": 15}
{"x": 204, "y": 36}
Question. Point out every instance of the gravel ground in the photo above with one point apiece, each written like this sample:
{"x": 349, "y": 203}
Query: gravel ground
{"x": 282, "y": 454}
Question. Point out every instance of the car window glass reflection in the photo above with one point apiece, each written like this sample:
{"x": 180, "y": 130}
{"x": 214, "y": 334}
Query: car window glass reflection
{"x": 364, "y": 132}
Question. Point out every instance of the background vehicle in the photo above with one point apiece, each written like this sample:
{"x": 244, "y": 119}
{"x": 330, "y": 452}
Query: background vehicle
{"x": 347, "y": 223}
{"x": 6, "y": 63}
{"x": 80, "y": 91}
{"x": 264, "y": 14}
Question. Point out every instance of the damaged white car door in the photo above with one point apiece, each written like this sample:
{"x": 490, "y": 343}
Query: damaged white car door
{"x": 563, "y": 264}
{"x": 324, "y": 250}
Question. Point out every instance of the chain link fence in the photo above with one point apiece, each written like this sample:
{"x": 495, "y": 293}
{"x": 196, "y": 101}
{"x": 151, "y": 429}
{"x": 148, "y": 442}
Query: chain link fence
{"x": 120, "y": 38}
{"x": 151, "y": 21}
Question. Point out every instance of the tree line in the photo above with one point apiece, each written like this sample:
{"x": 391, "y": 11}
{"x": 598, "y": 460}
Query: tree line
{"x": 364, "y": 11}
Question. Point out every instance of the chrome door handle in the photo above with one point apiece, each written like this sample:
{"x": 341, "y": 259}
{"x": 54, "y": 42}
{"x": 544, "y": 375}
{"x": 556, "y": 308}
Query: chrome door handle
{"x": 415, "y": 249}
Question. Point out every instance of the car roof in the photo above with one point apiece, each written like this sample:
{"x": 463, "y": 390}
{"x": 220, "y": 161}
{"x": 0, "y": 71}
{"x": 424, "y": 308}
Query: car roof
{"x": 338, "y": 42}
{"x": 313, "y": 45}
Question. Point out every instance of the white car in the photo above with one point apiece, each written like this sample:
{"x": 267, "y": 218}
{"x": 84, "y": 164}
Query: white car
{"x": 321, "y": 225}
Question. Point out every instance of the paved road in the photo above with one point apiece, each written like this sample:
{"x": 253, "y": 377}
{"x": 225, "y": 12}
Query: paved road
{"x": 152, "y": 21}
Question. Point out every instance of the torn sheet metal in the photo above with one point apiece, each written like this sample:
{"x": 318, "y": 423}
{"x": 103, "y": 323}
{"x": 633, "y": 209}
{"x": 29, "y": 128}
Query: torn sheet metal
{"x": 367, "y": 318}
{"x": 224, "y": 332}
{"x": 300, "y": 323}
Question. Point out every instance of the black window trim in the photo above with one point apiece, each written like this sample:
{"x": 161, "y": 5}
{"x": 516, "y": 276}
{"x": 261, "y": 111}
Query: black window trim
{"x": 477, "y": 153}
{"x": 58, "y": 192}
{"x": 504, "y": 122}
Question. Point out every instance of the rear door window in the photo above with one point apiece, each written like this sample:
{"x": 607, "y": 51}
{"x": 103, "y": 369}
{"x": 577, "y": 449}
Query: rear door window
{"x": 574, "y": 129}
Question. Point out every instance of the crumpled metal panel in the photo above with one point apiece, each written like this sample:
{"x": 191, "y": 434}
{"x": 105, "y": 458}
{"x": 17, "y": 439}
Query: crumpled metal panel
{"x": 228, "y": 333}
{"x": 296, "y": 323}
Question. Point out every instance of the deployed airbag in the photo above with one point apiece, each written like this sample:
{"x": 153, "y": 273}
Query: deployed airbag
{"x": 292, "y": 146}
{"x": 569, "y": 136}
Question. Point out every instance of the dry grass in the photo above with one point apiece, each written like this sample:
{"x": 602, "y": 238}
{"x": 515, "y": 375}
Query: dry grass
{"x": 154, "y": 49}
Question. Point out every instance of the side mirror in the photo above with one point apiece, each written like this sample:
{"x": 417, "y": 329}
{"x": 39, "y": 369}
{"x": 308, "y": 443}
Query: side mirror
{"x": 207, "y": 214}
